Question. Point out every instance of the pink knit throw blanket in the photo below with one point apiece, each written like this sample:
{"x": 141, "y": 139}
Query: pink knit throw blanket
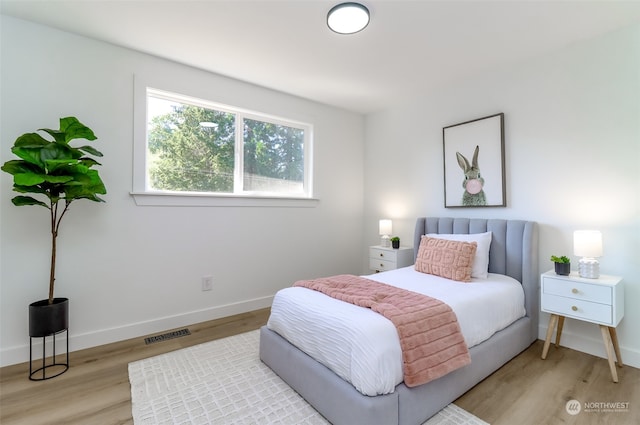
{"x": 430, "y": 338}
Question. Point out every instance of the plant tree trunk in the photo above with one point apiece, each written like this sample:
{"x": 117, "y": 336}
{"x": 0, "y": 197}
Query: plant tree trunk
{"x": 55, "y": 227}
{"x": 54, "y": 234}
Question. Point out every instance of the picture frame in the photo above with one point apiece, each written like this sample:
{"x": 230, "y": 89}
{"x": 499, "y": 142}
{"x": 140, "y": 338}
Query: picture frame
{"x": 474, "y": 164}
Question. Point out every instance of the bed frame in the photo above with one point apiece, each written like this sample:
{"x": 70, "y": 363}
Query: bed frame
{"x": 514, "y": 252}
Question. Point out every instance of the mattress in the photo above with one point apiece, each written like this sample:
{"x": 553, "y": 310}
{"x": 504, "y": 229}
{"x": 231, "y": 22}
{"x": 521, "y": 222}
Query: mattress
{"x": 363, "y": 348}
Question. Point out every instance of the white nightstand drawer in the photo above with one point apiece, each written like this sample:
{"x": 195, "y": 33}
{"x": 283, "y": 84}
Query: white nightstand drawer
{"x": 578, "y": 309}
{"x": 381, "y": 265}
{"x": 382, "y": 258}
{"x": 383, "y": 254}
{"x": 578, "y": 290}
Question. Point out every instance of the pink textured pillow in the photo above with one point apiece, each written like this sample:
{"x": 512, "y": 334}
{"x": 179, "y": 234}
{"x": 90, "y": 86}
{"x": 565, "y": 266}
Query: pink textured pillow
{"x": 446, "y": 258}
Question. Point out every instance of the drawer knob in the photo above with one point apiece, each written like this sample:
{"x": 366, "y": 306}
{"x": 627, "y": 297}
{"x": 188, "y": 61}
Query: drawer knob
{"x": 381, "y": 254}
{"x": 574, "y": 290}
{"x": 574, "y": 308}
{"x": 381, "y": 265}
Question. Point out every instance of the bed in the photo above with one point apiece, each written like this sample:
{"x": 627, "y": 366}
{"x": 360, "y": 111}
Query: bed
{"x": 513, "y": 252}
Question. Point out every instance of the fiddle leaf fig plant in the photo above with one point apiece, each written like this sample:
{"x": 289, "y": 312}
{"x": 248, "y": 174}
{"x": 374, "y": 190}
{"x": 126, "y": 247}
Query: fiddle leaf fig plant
{"x": 56, "y": 173}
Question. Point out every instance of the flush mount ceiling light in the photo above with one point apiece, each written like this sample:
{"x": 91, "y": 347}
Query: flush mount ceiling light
{"x": 348, "y": 18}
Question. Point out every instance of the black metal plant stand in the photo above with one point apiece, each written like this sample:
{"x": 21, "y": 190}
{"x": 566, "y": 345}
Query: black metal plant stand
{"x": 53, "y": 363}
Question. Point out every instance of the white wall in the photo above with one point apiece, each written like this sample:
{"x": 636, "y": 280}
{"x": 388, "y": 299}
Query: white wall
{"x": 572, "y": 128}
{"x": 131, "y": 270}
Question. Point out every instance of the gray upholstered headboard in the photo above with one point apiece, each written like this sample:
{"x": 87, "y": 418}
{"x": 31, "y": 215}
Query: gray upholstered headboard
{"x": 513, "y": 252}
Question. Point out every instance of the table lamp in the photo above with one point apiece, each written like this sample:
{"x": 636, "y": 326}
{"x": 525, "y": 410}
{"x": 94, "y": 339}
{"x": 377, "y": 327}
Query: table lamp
{"x": 384, "y": 231}
{"x": 588, "y": 245}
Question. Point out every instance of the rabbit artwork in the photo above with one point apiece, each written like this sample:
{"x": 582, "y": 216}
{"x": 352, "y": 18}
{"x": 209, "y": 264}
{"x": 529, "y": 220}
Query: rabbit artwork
{"x": 473, "y": 183}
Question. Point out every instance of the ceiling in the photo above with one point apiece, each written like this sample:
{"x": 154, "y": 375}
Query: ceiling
{"x": 408, "y": 49}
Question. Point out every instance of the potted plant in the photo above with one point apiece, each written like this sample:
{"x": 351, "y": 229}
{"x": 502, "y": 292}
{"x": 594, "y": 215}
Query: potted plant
{"x": 562, "y": 265}
{"x": 59, "y": 174}
{"x": 395, "y": 242}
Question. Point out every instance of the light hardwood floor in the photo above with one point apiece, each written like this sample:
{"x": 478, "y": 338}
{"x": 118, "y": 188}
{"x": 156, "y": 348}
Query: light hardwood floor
{"x": 528, "y": 390}
{"x": 95, "y": 389}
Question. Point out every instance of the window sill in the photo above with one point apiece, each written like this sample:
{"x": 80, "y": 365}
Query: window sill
{"x": 146, "y": 199}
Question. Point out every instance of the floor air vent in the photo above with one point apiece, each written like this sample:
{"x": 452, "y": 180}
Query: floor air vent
{"x": 166, "y": 336}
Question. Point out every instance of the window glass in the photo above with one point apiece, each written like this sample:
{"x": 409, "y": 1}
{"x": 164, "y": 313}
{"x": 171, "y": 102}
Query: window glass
{"x": 273, "y": 158}
{"x": 198, "y": 146}
{"x": 190, "y": 148}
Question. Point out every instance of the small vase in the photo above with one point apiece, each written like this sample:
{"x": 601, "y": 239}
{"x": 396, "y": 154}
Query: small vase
{"x": 563, "y": 269}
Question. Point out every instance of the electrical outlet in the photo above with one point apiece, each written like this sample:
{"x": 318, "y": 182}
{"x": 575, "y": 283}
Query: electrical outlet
{"x": 207, "y": 283}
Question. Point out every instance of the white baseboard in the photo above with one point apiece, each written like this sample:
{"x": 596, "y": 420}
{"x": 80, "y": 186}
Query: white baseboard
{"x": 20, "y": 354}
{"x": 591, "y": 346}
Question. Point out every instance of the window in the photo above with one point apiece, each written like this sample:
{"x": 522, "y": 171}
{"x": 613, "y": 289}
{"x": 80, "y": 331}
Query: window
{"x": 199, "y": 148}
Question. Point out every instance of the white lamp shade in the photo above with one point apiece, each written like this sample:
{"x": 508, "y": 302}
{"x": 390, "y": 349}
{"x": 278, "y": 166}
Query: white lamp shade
{"x": 587, "y": 243}
{"x": 348, "y": 18}
{"x": 385, "y": 227}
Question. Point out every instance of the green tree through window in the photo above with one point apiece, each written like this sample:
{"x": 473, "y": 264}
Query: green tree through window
{"x": 190, "y": 148}
{"x": 273, "y": 156}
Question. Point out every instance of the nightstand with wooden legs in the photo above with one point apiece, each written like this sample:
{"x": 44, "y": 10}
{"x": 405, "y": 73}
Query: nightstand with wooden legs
{"x": 599, "y": 301}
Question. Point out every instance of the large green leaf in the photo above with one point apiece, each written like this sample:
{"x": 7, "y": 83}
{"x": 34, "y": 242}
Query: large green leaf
{"x": 31, "y": 140}
{"x": 28, "y": 179}
{"x": 88, "y": 178}
{"x": 57, "y": 179}
{"x": 52, "y": 165}
{"x": 74, "y": 129}
{"x": 21, "y": 201}
{"x": 73, "y": 169}
{"x": 77, "y": 170}
{"x": 29, "y": 189}
{"x": 17, "y": 166}
{"x": 70, "y": 128}
{"x": 31, "y": 155}
{"x": 97, "y": 185}
{"x": 89, "y": 162}
{"x": 81, "y": 192}
{"x": 90, "y": 150}
{"x": 85, "y": 186}
{"x": 57, "y": 135}
{"x": 59, "y": 151}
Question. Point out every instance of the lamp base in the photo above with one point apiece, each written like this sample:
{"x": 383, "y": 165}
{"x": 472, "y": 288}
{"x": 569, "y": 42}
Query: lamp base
{"x": 385, "y": 241}
{"x": 589, "y": 268}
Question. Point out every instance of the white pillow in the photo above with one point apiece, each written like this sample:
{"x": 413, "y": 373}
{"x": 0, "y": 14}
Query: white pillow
{"x": 480, "y": 267}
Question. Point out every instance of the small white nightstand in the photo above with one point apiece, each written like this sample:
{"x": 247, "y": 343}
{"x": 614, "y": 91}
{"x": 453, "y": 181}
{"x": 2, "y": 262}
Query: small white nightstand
{"x": 599, "y": 301}
{"x": 382, "y": 259}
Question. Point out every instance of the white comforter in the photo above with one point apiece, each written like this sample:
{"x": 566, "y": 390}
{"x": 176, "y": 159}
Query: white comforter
{"x": 363, "y": 347}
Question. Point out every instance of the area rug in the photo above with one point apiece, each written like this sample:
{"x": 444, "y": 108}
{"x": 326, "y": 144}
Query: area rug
{"x": 223, "y": 382}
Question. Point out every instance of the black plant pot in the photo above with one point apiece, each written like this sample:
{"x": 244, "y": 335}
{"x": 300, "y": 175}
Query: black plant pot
{"x": 395, "y": 244}
{"x": 563, "y": 269}
{"x": 47, "y": 319}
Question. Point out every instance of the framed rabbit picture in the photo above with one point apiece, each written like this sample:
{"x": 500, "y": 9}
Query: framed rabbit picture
{"x": 474, "y": 173}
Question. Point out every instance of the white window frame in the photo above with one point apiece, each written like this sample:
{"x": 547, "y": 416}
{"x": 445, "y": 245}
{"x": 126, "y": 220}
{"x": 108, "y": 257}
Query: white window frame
{"x": 144, "y": 196}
